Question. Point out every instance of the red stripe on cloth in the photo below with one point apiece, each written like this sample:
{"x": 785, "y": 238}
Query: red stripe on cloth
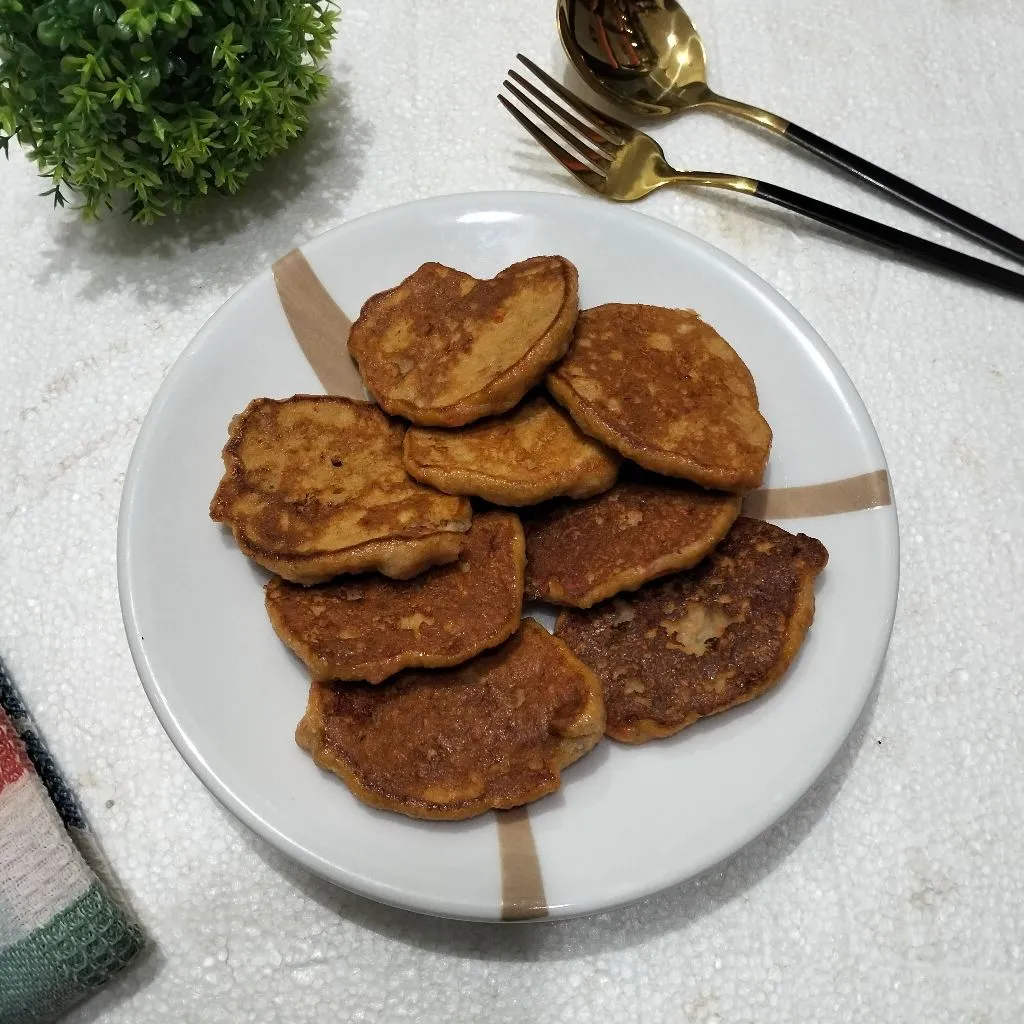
{"x": 13, "y": 759}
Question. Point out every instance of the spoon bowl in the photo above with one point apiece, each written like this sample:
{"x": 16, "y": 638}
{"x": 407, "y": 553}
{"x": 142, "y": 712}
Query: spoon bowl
{"x": 645, "y": 56}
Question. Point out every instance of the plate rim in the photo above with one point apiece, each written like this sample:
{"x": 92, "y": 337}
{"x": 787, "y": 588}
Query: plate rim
{"x": 514, "y": 201}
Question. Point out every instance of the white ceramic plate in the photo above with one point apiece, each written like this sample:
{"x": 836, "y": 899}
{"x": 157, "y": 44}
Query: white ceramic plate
{"x": 627, "y": 821}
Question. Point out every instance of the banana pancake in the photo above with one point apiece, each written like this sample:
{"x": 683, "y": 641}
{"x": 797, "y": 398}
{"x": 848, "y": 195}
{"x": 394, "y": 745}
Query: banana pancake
{"x": 531, "y": 454}
{"x": 444, "y": 348}
{"x": 369, "y": 627}
{"x": 664, "y": 389}
{"x": 579, "y": 553}
{"x": 705, "y": 640}
{"x": 315, "y": 486}
{"x": 494, "y": 733}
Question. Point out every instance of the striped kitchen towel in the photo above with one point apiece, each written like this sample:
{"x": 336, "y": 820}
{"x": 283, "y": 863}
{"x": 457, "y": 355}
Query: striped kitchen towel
{"x": 64, "y": 930}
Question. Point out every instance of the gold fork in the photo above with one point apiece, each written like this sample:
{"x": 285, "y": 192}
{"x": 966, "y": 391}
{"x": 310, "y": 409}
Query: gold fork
{"x": 624, "y": 164}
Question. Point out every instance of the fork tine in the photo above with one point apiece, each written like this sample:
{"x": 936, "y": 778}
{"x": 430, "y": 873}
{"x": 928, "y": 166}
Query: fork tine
{"x": 607, "y": 147}
{"x": 578, "y": 169}
{"x": 599, "y": 160}
{"x": 617, "y": 131}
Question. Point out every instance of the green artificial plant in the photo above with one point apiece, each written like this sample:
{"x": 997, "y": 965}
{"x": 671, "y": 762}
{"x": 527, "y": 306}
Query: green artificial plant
{"x": 160, "y": 100}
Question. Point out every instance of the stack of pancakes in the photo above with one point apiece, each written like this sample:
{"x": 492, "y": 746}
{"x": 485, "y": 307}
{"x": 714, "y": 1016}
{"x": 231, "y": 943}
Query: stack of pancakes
{"x": 625, "y": 435}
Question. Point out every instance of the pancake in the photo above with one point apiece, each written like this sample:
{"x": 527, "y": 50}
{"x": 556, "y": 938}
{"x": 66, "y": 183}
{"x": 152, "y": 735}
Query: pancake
{"x": 703, "y": 641}
{"x": 579, "y": 553}
{"x": 661, "y": 387}
{"x": 314, "y": 486}
{"x": 531, "y": 454}
{"x": 368, "y": 627}
{"x": 494, "y": 733}
{"x": 443, "y": 349}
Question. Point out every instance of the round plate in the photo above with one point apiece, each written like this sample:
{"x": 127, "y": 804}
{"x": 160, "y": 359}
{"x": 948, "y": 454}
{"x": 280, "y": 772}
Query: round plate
{"x": 628, "y": 821}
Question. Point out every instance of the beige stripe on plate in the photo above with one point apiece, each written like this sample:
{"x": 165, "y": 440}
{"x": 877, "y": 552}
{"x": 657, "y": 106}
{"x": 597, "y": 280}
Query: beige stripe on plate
{"x": 319, "y": 325}
{"x": 522, "y": 887}
{"x": 852, "y": 494}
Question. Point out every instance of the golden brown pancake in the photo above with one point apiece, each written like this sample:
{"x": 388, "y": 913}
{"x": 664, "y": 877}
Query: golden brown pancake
{"x": 530, "y": 454}
{"x": 314, "y": 486}
{"x": 664, "y": 389}
{"x": 494, "y": 733}
{"x": 703, "y": 641}
{"x": 368, "y": 627}
{"x": 443, "y": 348}
{"x": 579, "y": 553}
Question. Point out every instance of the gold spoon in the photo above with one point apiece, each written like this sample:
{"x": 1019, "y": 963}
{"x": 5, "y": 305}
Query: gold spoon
{"x": 646, "y": 56}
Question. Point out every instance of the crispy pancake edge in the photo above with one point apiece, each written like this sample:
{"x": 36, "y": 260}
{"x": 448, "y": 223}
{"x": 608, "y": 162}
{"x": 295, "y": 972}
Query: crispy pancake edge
{"x": 399, "y": 558}
{"x": 506, "y": 389}
{"x": 379, "y": 671}
{"x": 578, "y": 739}
{"x": 635, "y": 578}
{"x": 591, "y": 422}
{"x": 604, "y": 471}
{"x": 469, "y": 483}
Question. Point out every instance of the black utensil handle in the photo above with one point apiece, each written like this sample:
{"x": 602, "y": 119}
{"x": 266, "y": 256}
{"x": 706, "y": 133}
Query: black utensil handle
{"x": 912, "y": 195}
{"x": 892, "y": 238}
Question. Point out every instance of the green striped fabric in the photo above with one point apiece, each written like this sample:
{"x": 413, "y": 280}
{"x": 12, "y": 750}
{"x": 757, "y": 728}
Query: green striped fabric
{"x": 65, "y": 929}
{"x": 76, "y": 952}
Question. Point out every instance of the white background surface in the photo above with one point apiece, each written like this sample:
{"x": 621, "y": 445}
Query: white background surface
{"x": 895, "y": 890}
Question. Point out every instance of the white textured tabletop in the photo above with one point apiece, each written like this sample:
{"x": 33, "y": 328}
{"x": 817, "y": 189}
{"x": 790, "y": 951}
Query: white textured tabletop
{"x": 895, "y": 890}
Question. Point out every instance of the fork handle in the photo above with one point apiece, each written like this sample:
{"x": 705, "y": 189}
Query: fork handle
{"x": 897, "y": 241}
{"x": 954, "y": 217}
